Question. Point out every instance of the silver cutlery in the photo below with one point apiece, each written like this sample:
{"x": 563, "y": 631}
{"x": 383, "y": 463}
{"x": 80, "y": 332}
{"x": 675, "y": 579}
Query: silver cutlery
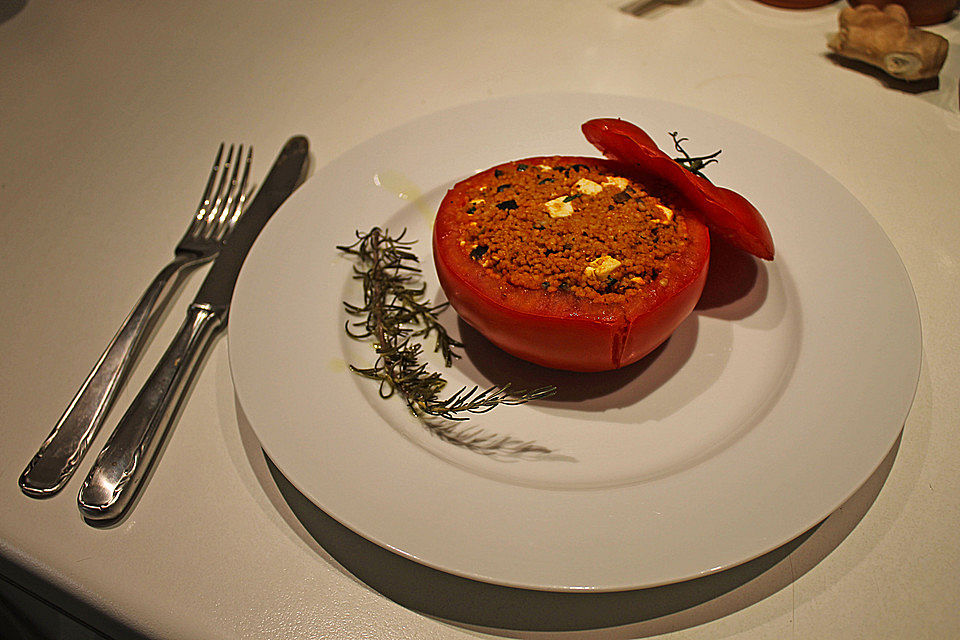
{"x": 61, "y": 452}
{"x": 131, "y": 449}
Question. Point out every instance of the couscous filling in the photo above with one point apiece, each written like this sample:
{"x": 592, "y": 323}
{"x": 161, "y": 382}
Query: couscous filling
{"x": 569, "y": 226}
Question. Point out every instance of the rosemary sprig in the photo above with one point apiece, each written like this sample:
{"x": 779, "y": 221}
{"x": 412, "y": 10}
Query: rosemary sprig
{"x": 396, "y": 318}
{"x": 693, "y": 165}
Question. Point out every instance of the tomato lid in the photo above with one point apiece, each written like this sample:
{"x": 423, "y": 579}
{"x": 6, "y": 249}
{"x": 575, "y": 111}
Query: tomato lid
{"x": 725, "y": 212}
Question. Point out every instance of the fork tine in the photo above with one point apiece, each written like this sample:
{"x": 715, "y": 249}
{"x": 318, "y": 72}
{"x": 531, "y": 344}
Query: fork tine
{"x": 214, "y": 213}
{"x": 203, "y": 207}
{"x": 229, "y": 217}
{"x": 230, "y": 196}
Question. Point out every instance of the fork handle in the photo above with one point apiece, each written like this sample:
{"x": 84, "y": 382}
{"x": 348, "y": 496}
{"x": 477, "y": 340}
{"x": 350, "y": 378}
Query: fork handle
{"x": 57, "y": 459}
{"x": 122, "y": 464}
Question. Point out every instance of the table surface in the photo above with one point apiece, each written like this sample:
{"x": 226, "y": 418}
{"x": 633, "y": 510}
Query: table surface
{"x": 110, "y": 113}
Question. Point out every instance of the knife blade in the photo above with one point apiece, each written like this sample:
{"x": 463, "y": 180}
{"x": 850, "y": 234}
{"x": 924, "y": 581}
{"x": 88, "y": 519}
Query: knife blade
{"x": 119, "y": 470}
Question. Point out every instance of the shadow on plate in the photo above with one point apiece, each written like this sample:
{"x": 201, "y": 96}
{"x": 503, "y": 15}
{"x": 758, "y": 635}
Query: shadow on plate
{"x": 499, "y": 367}
{"x": 736, "y": 287}
{"x": 509, "y": 612}
{"x": 737, "y": 283}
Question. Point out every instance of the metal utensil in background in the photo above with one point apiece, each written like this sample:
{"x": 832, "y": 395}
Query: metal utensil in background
{"x": 57, "y": 459}
{"x": 122, "y": 464}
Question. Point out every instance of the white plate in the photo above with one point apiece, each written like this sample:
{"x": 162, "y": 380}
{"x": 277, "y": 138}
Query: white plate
{"x": 769, "y": 406}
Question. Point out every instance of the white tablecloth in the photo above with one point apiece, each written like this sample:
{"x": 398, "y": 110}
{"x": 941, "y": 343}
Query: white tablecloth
{"x": 109, "y": 113}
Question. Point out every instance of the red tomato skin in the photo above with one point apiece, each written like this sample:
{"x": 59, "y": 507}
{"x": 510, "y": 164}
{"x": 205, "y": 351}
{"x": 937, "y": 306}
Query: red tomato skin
{"x": 650, "y": 329}
{"x": 559, "y": 330}
{"x": 725, "y": 212}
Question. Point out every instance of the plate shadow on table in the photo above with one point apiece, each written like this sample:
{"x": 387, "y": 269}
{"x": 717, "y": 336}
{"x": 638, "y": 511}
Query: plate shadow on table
{"x": 736, "y": 287}
{"x": 513, "y": 612}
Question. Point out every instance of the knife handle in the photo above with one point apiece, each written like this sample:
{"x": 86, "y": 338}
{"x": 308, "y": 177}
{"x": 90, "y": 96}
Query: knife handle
{"x": 129, "y": 452}
{"x": 57, "y": 459}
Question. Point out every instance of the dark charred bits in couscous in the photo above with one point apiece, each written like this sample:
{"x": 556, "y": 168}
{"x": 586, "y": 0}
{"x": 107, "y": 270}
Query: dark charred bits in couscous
{"x": 579, "y": 228}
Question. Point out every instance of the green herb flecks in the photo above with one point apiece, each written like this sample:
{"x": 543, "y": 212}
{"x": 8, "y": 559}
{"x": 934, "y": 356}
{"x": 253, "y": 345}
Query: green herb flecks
{"x": 692, "y": 164}
{"x": 396, "y": 318}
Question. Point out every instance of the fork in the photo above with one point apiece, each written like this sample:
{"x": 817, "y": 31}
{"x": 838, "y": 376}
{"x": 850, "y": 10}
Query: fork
{"x": 220, "y": 206}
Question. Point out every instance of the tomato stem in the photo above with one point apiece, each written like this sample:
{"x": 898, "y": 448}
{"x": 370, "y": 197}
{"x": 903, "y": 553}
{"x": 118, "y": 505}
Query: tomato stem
{"x": 690, "y": 163}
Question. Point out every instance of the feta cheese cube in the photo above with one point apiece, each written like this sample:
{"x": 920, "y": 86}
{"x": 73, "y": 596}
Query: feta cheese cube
{"x": 588, "y": 187}
{"x": 601, "y": 267}
{"x": 617, "y": 182}
{"x": 559, "y": 207}
{"x": 666, "y": 214}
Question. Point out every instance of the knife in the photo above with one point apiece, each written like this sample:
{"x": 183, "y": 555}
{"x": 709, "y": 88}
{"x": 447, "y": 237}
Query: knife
{"x": 120, "y": 468}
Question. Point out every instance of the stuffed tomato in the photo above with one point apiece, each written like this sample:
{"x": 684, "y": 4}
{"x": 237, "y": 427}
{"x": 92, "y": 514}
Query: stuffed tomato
{"x": 572, "y": 263}
{"x": 587, "y": 264}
